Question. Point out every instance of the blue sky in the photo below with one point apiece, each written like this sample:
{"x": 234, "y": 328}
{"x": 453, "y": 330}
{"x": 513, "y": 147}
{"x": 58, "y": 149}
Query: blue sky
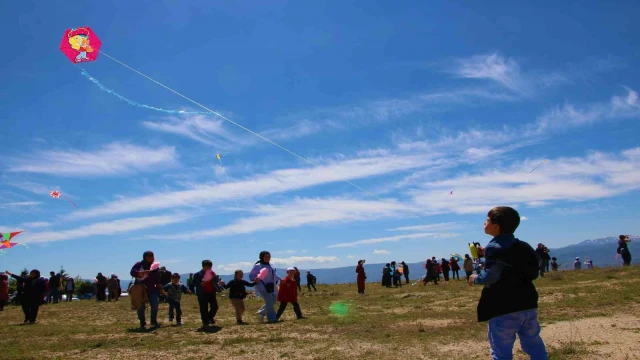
{"x": 408, "y": 101}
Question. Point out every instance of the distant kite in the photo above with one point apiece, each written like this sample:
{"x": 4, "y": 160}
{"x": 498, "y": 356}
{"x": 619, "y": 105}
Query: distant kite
{"x": 534, "y": 169}
{"x": 451, "y": 193}
{"x": 56, "y": 195}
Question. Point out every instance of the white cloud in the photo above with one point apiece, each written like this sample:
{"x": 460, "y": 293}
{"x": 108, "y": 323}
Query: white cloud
{"x": 437, "y": 226}
{"x": 301, "y": 129}
{"x": 350, "y": 256}
{"x": 201, "y": 128}
{"x": 303, "y": 212}
{"x": 113, "y": 159}
{"x": 381, "y": 252}
{"x": 271, "y": 183}
{"x": 34, "y": 187}
{"x": 596, "y": 176}
{"x": 505, "y": 72}
{"x": 392, "y": 239}
{"x": 298, "y": 261}
{"x": 20, "y": 203}
{"x": 569, "y": 115}
{"x": 121, "y": 226}
{"x": 523, "y": 218}
{"x": 36, "y": 224}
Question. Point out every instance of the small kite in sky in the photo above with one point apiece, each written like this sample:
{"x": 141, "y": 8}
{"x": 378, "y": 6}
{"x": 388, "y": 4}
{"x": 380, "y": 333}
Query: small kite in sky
{"x": 451, "y": 193}
{"x": 56, "y": 195}
{"x": 534, "y": 169}
{"x": 6, "y": 240}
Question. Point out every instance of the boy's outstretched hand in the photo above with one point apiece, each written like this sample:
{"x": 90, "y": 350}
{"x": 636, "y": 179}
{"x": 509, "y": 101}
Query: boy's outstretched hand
{"x": 472, "y": 278}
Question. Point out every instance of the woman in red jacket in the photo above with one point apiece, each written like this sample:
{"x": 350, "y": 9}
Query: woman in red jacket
{"x": 288, "y": 293}
{"x": 361, "y": 277}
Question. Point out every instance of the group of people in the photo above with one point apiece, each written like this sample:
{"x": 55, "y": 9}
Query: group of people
{"x": 103, "y": 284}
{"x": 392, "y": 274}
{"x": 148, "y": 288}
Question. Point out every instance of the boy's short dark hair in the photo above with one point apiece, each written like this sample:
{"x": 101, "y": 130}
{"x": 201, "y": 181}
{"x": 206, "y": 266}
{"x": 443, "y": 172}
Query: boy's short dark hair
{"x": 507, "y": 218}
{"x": 175, "y": 275}
{"x": 206, "y": 263}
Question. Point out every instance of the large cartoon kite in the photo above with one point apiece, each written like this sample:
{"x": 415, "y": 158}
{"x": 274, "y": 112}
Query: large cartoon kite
{"x": 6, "y": 243}
{"x": 80, "y": 45}
{"x": 56, "y": 195}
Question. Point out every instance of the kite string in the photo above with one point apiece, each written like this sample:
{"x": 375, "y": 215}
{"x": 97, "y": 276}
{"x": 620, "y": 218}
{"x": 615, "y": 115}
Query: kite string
{"x": 233, "y": 122}
{"x": 72, "y": 203}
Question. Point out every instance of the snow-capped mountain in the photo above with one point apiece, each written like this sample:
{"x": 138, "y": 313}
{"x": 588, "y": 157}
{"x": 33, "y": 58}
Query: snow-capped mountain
{"x": 609, "y": 240}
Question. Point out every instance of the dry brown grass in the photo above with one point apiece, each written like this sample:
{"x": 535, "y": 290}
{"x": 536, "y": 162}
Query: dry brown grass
{"x": 585, "y": 315}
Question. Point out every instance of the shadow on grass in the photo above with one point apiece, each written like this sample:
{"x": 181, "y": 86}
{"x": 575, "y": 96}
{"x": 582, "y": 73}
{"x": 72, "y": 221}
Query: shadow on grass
{"x": 138, "y": 330}
{"x": 209, "y": 329}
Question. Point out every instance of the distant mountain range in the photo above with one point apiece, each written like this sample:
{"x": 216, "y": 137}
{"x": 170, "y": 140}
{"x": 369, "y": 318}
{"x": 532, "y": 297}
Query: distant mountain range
{"x": 602, "y": 251}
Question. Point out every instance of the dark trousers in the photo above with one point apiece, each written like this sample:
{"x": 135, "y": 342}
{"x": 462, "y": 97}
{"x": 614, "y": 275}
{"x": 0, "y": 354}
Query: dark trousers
{"x": 283, "y": 306}
{"x": 208, "y": 307}
{"x": 175, "y": 305}
{"x": 406, "y": 277}
{"x": 69, "y": 295}
{"x": 626, "y": 259}
{"x": 298, "y": 281}
{"x": 309, "y": 285}
{"x": 30, "y": 308}
{"x": 446, "y": 275}
{"x": 101, "y": 294}
{"x": 455, "y": 274}
{"x": 468, "y": 274}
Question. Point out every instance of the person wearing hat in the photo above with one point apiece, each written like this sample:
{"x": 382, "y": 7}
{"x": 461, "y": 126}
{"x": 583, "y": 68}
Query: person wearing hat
{"x": 264, "y": 275}
{"x": 577, "y": 265}
{"x": 288, "y": 293}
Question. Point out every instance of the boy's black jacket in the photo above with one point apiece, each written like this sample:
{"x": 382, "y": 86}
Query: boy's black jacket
{"x": 514, "y": 291}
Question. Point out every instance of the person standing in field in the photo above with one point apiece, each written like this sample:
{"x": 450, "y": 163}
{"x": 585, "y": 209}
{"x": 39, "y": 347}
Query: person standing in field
{"x": 69, "y": 288}
{"x": 446, "y": 267}
{"x": 237, "y": 294}
{"x": 205, "y": 283}
{"x": 455, "y": 268}
{"x": 509, "y": 300}
{"x": 4, "y": 290}
{"x": 143, "y": 274}
{"x": 33, "y": 296}
{"x": 174, "y": 291}
{"x": 361, "y": 278}
{"x": 266, "y": 286}
{"x": 577, "y": 265}
{"x": 468, "y": 265}
{"x": 405, "y": 271}
{"x": 112, "y": 285}
{"x": 298, "y": 277}
{"x": 623, "y": 249}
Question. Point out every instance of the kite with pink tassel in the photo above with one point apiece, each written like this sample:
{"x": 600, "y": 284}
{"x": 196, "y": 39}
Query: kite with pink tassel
{"x": 56, "y": 195}
{"x": 263, "y": 273}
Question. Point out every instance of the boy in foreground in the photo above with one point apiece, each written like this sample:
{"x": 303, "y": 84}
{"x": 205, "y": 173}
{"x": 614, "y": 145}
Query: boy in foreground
{"x": 509, "y": 300}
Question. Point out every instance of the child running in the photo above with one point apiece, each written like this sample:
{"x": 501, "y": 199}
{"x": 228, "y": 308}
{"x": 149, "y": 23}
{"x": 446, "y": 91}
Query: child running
{"x": 174, "y": 291}
{"x": 206, "y": 291}
{"x": 288, "y": 293}
{"x": 237, "y": 294}
{"x": 509, "y": 300}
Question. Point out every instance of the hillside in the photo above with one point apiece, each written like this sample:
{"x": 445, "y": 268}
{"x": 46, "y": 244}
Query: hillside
{"x": 584, "y": 315}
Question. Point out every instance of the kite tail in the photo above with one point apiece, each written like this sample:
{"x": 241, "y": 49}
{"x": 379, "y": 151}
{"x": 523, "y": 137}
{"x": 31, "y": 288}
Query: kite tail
{"x": 72, "y": 203}
{"x": 25, "y": 245}
{"x": 131, "y": 102}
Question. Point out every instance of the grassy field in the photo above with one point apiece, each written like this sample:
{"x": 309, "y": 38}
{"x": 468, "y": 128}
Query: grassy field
{"x": 585, "y": 315}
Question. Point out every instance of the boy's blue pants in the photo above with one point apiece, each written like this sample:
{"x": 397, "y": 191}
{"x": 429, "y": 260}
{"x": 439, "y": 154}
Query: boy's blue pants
{"x": 503, "y": 330}
{"x": 175, "y": 305}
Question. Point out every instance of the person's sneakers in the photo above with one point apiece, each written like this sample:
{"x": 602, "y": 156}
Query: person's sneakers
{"x": 170, "y": 319}
{"x": 212, "y": 322}
{"x": 205, "y": 325}
{"x": 301, "y": 318}
{"x": 155, "y": 325}
{"x": 260, "y": 318}
{"x": 240, "y": 322}
{"x": 179, "y": 323}
{"x": 25, "y": 321}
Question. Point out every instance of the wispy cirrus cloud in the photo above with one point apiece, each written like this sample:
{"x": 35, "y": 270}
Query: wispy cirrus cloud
{"x": 208, "y": 130}
{"x": 380, "y": 252}
{"x": 437, "y": 226}
{"x": 20, "y": 203}
{"x": 571, "y": 115}
{"x": 120, "y": 226}
{"x": 35, "y": 224}
{"x": 304, "y": 212}
{"x": 392, "y": 239}
{"x": 596, "y": 176}
{"x": 506, "y": 72}
{"x": 113, "y": 159}
{"x": 274, "y": 182}
{"x": 298, "y": 261}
